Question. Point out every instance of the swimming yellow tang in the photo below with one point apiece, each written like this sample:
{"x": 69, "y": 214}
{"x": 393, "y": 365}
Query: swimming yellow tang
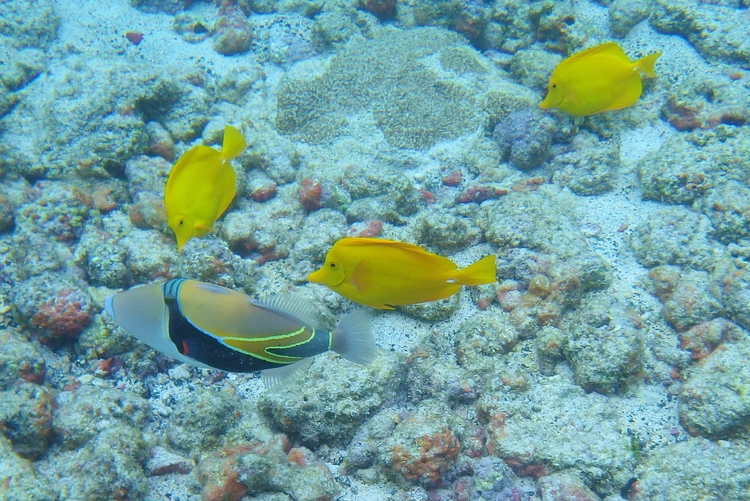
{"x": 383, "y": 273}
{"x": 200, "y": 187}
{"x": 598, "y": 79}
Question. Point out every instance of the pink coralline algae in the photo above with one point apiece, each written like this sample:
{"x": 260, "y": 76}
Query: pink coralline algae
{"x": 309, "y": 193}
{"x": 264, "y": 193}
{"x": 366, "y": 229}
{"x": 63, "y": 316}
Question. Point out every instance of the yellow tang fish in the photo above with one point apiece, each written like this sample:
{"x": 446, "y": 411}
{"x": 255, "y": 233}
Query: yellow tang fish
{"x": 384, "y": 273}
{"x": 212, "y": 327}
{"x": 598, "y": 79}
{"x": 201, "y": 186}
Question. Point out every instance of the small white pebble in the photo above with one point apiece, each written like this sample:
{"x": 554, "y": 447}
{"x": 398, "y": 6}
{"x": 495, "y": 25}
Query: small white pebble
{"x": 85, "y": 379}
{"x": 179, "y": 372}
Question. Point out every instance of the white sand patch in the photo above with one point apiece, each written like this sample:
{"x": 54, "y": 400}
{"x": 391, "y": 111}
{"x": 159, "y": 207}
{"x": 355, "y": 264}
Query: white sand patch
{"x": 98, "y": 28}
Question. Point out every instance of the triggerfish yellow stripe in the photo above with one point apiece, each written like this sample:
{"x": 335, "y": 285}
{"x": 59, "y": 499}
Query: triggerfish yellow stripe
{"x": 385, "y": 273}
{"x": 213, "y": 327}
{"x": 598, "y": 79}
{"x": 200, "y": 187}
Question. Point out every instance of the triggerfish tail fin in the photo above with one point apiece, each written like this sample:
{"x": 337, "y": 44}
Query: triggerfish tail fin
{"x": 479, "y": 273}
{"x": 353, "y": 338}
{"x": 646, "y": 64}
{"x": 282, "y": 377}
{"x": 233, "y": 143}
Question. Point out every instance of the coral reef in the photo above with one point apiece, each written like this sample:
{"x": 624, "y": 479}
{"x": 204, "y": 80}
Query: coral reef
{"x": 329, "y": 404}
{"x": 712, "y": 401}
{"x": 608, "y": 362}
{"x": 679, "y": 471}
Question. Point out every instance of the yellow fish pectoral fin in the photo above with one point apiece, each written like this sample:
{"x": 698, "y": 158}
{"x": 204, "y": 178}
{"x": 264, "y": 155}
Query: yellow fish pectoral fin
{"x": 233, "y": 143}
{"x": 361, "y": 277}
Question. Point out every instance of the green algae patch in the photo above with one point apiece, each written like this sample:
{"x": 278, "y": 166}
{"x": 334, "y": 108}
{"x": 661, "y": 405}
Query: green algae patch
{"x": 405, "y": 80}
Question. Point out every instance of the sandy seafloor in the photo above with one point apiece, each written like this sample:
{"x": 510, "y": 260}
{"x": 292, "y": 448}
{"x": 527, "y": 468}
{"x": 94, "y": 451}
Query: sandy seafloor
{"x": 611, "y": 360}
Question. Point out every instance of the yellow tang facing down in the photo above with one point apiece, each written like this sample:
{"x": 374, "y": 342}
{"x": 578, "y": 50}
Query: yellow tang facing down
{"x": 384, "y": 273}
{"x": 598, "y": 79}
{"x": 201, "y": 186}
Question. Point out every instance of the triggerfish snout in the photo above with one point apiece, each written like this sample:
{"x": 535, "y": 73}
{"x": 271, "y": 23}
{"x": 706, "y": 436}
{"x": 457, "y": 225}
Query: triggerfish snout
{"x": 385, "y": 273}
{"x": 212, "y": 327}
{"x": 598, "y": 79}
{"x": 200, "y": 187}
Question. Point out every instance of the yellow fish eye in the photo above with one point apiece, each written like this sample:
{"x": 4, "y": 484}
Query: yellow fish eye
{"x": 332, "y": 265}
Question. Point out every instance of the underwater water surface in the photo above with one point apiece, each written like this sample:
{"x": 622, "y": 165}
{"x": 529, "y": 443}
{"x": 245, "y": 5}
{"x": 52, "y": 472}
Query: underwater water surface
{"x": 607, "y": 359}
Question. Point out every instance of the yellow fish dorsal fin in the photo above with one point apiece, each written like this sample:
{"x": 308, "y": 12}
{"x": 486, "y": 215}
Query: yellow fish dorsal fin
{"x": 440, "y": 261}
{"x": 608, "y": 48}
{"x": 233, "y": 144}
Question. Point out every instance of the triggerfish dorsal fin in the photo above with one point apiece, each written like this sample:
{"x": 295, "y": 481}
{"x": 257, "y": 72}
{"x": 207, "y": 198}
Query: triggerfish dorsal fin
{"x": 282, "y": 377}
{"x": 290, "y": 306}
{"x": 233, "y": 143}
{"x": 479, "y": 273}
{"x": 353, "y": 338}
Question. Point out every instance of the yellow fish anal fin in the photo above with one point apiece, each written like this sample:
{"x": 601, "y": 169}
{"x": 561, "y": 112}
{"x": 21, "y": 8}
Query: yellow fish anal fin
{"x": 629, "y": 96}
{"x": 479, "y": 273}
{"x": 233, "y": 143}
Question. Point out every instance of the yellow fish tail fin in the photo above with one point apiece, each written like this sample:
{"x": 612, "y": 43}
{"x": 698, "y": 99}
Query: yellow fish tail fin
{"x": 646, "y": 64}
{"x": 233, "y": 144}
{"x": 481, "y": 272}
{"x": 353, "y": 338}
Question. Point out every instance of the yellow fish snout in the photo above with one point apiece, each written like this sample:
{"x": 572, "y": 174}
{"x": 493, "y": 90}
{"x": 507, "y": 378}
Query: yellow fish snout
{"x": 316, "y": 277}
{"x": 330, "y": 275}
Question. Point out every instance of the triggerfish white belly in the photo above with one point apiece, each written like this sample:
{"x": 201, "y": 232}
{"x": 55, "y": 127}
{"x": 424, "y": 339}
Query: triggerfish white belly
{"x": 213, "y": 327}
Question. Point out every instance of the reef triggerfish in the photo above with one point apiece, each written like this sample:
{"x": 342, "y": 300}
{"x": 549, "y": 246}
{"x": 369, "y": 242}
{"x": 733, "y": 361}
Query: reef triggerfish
{"x": 385, "y": 273}
{"x": 214, "y": 327}
{"x": 200, "y": 187}
{"x": 598, "y": 79}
